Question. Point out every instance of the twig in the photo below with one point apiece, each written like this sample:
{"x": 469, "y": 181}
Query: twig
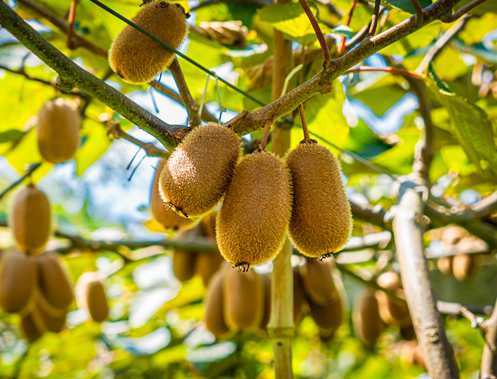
{"x": 317, "y": 30}
{"x": 23, "y": 72}
{"x": 31, "y": 169}
{"x": 115, "y": 131}
{"x": 350, "y": 14}
{"x": 419, "y": 11}
{"x": 391, "y": 70}
{"x": 441, "y": 43}
{"x": 303, "y": 121}
{"x": 72, "y": 19}
{"x": 462, "y": 11}
{"x": 375, "y": 17}
{"x": 414, "y": 272}
{"x": 190, "y": 104}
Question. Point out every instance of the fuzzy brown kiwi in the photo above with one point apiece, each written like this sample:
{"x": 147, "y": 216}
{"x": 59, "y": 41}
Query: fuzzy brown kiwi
{"x": 321, "y": 217}
{"x": 253, "y": 220}
{"x": 328, "y": 317}
{"x": 208, "y": 226}
{"x": 161, "y": 212}
{"x": 92, "y": 296}
{"x": 366, "y": 318}
{"x": 184, "y": 262}
{"x": 199, "y": 170}
{"x": 462, "y": 266}
{"x": 392, "y": 311}
{"x": 444, "y": 265}
{"x": 134, "y": 56}
{"x": 53, "y": 319}
{"x": 30, "y": 220}
{"x": 207, "y": 264}
{"x": 214, "y": 304}
{"x": 58, "y": 130}
{"x": 267, "y": 302}
{"x": 29, "y": 328}
{"x": 53, "y": 281}
{"x": 318, "y": 283}
{"x": 17, "y": 281}
{"x": 243, "y": 296}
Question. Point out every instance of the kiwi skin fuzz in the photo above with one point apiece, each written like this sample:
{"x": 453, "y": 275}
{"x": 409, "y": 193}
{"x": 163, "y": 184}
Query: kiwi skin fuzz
{"x": 318, "y": 283}
{"x": 321, "y": 218}
{"x": 161, "y": 212}
{"x": 134, "y": 56}
{"x": 53, "y": 281}
{"x": 253, "y": 220}
{"x": 366, "y": 318}
{"x": 199, "y": 170}
{"x": 214, "y": 306}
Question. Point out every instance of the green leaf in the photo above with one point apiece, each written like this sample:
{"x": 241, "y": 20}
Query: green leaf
{"x": 11, "y": 135}
{"x": 406, "y": 5}
{"x": 380, "y": 96}
{"x": 96, "y": 144}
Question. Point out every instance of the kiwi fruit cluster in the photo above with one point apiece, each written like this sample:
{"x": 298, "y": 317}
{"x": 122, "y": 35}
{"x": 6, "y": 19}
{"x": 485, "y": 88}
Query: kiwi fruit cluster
{"x": 58, "y": 130}
{"x": 137, "y": 58}
{"x": 91, "y": 296}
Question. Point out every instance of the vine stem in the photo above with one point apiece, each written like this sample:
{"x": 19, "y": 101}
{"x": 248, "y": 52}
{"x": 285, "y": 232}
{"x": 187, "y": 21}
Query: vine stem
{"x": 72, "y": 20}
{"x": 317, "y": 30}
{"x": 303, "y": 121}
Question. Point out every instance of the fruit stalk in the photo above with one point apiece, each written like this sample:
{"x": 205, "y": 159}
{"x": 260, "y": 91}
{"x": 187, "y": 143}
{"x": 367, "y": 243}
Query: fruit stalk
{"x": 281, "y": 319}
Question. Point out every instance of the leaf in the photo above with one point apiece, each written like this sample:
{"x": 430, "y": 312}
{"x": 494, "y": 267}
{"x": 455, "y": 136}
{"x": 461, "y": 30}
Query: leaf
{"x": 472, "y": 128}
{"x": 406, "y": 5}
{"x": 11, "y": 135}
{"x": 96, "y": 144}
{"x": 380, "y": 96}
{"x": 364, "y": 142}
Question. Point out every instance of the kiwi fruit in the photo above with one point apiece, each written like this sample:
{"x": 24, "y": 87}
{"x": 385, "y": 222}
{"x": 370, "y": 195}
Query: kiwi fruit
{"x": 208, "y": 226}
{"x": 392, "y": 311}
{"x": 252, "y": 223}
{"x": 30, "y": 330}
{"x": 161, "y": 212}
{"x": 328, "y": 317}
{"x": 17, "y": 281}
{"x": 184, "y": 263}
{"x": 54, "y": 282}
{"x": 321, "y": 220}
{"x": 267, "y": 302}
{"x": 92, "y": 296}
{"x": 462, "y": 266}
{"x": 30, "y": 220}
{"x": 199, "y": 170}
{"x": 243, "y": 297}
{"x": 444, "y": 265}
{"x": 318, "y": 283}
{"x": 134, "y": 56}
{"x": 366, "y": 318}
{"x": 53, "y": 319}
{"x": 214, "y": 306}
{"x": 58, "y": 128}
{"x": 207, "y": 264}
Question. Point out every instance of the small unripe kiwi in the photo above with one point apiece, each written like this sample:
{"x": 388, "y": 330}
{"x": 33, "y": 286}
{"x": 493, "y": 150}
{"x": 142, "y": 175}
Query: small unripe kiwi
{"x": 199, "y": 170}
{"x": 134, "y": 56}
{"x": 318, "y": 283}
{"x": 54, "y": 282}
{"x": 59, "y": 123}
{"x": 29, "y": 328}
{"x": 444, "y": 265}
{"x": 366, "y": 317}
{"x": 30, "y": 220}
{"x": 462, "y": 266}
{"x": 92, "y": 296}
{"x": 17, "y": 281}
{"x": 321, "y": 218}
{"x": 243, "y": 296}
{"x": 253, "y": 220}
{"x": 392, "y": 311}
{"x": 214, "y": 306}
{"x": 161, "y": 212}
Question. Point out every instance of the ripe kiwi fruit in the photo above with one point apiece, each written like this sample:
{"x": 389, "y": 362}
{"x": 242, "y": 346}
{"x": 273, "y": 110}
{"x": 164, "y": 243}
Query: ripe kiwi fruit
{"x": 214, "y": 306}
{"x": 462, "y": 266}
{"x": 243, "y": 296}
{"x": 208, "y": 226}
{"x": 17, "y": 281}
{"x": 29, "y": 328}
{"x": 53, "y": 319}
{"x": 161, "y": 212}
{"x": 199, "y": 170}
{"x": 184, "y": 262}
{"x": 30, "y": 220}
{"x": 366, "y": 318}
{"x": 58, "y": 128}
{"x": 392, "y": 311}
{"x": 53, "y": 280}
{"x": 253, "y": 220}
{"x": 328, "y": 317}
{"x": 321, "y": 220}
{"x": 444, "y": 265}
{"x": 207, "y": 264}
{"x": 134, "y": 56}
{"x": 318, "y": 283}
{"x": 92, "y": 296}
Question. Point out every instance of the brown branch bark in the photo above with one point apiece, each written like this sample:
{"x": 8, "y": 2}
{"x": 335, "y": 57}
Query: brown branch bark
{"x": 488, "y": 366}
{"x": 317, "y": 30}
{"x": 190, "y": 104}
{"x": 414, "y": 272}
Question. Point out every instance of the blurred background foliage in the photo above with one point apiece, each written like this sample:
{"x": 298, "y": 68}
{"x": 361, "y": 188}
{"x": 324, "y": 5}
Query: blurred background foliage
{"x": 155, "y": 329}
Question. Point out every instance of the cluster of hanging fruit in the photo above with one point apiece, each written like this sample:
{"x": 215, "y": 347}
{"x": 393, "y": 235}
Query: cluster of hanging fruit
{"x": 34, "y": 282}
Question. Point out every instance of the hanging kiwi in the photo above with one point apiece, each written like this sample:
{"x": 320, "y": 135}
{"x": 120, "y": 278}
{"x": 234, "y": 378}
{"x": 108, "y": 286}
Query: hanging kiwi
{"x": 53, "y": 281}
{"x": 134, "y": 56}
{"x": 207, "y": 264}
{"x": 318, "y": 283}
{"x": 214, "y": 306}
{"x": 393, "y": 311}
{"x": 30, "y": 220}
{"x": 328, "y": 317}
{"x": 92, "y": 296}
{"x": 243, "y": 296}
{"x": 161, "y": 212}
{"x": 17, "y": 281}
{"x": 462, "y": 266}
{"x": 321, "y": 220}
{"x": 57, "y": 130}
{"x": 30, "y": 330}
{"x": 444, "y": 265}
{"x": 184, "y": 262}
{"x": 199, "y": 170}
{"x": 300, "y": 304}
{"x": 253, "y": 220}
{"x": 53, "y": 319}
{"x": 366, "y": 318}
